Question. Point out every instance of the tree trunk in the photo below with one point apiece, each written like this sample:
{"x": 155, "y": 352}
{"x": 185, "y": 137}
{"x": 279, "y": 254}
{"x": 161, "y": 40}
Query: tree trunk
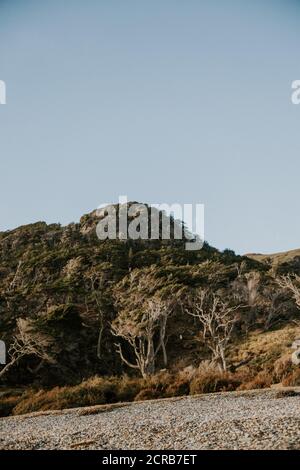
{"x": 99, "y": 340}
{"x": 149, "y": 363}
{"x": 164, "y": 351}
{"x": 223, "y": 360}
{"x": 7, "y": 367}
{"x": 162, "y": 340}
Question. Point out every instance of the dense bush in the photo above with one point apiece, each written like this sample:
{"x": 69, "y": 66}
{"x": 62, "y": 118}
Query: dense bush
{"x": 103, "y": 390}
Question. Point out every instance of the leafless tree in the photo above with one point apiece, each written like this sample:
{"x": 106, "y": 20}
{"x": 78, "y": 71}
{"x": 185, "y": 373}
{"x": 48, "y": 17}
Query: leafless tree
{"x": 273, "y": 305}
{"x": 142, "y": 331}
{"x": 217, "y": 319}
{"x": 246, "y": 288}
{"x": 27, "y": 342}
{"x": 292, "y": 284}
{"x": 17, "y": 277}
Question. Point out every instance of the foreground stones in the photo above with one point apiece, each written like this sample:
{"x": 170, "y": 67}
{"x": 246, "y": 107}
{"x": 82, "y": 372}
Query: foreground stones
{"x": 234, "y": 420}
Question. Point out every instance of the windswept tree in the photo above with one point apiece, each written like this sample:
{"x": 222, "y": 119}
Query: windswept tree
{"x": 27, "y": 342}
{"x": 216, "y": 318}
{"x": 141, "y": 322}
{"x": 291, "y": 284}
{"x": 274, "y": 304}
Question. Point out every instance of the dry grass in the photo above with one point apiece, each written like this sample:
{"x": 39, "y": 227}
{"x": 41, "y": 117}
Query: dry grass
{"x": 7, "y": 404}
{"x": 208, "y": 379}
{"x": 261, "y": 348}
{"x": 107, "y": 393}
{"x": 293, "y": 379}
{"x": 112, "y": 391}
{"x": 275, "y": 258}
{"x": 94, "y": 391}
{"x": 262, "y": 380}
{"x": 266, "y": 359}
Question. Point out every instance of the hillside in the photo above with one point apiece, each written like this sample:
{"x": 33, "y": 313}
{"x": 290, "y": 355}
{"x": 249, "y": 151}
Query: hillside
{"x": 276, "y": 258}
{"x": 71, "y": 289}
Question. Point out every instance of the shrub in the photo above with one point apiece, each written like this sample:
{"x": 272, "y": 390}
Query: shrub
{"x": 7, "y": 404}
{"x": 292, "y": 379}
{"x": 147, "y": 394}
{"x": 282, "y": 368}
{"x": 127, "y": 387}
{"x": 209, "y": 378}
{"x": 262, "y": 380}
{"x": 180, "y": 382}
{"x": 93, "y": 391}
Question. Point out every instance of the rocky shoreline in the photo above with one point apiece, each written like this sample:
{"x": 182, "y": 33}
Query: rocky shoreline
{"x": 268, "y": 419}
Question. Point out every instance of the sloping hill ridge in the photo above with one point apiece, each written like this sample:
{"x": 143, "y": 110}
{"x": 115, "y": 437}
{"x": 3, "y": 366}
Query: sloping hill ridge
{"x": 275, "y": 258}
{"x": 67, "y": 281}
{"x": 64, "y": 277}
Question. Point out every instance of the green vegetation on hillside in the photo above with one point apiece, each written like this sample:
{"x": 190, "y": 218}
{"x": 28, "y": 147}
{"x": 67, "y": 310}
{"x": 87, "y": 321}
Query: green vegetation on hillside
{"x": 91, "y": 308}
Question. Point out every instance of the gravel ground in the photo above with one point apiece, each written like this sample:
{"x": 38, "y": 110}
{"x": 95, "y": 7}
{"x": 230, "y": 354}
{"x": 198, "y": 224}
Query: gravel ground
{"x": 249, "y": 420}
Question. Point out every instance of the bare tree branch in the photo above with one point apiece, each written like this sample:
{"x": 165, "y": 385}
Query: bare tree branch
{"x": 292, "y": 284}
{"x": 139, "y": 333}
{"x": 27, "y": 342}
{"x": 217, "y": 320}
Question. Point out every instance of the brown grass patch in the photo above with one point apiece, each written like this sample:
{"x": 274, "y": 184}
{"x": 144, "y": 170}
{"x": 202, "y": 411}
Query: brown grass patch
{"x": 292, "y": 379}
{"x": 209, "y": 379}
{"x": 262, "y": 380}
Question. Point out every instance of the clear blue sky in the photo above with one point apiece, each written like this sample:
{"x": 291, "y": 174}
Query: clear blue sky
{"x": 162, "y": 100}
